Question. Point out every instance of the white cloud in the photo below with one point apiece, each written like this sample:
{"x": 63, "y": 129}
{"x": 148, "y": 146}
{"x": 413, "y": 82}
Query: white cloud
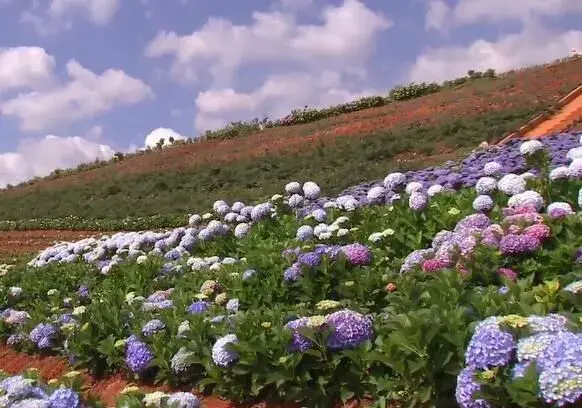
{"x": 533, "y": 45}
{"x": 436, "y": 15}
{"x": 25, "y": 67}
{"x": 466, "y": 12}
{"x": 86, "y": 95}
{"x": 156, "y": 135}
{"x": 59, "y": 14}
{"x": 38, "y": 158}
{"x": 345, "y": 39}
{"x": 276, "y": 97}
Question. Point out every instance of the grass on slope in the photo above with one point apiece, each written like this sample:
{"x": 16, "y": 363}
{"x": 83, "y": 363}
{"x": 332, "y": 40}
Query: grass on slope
{"x": 530, "y": 87}
{"x": 337, "y": 165}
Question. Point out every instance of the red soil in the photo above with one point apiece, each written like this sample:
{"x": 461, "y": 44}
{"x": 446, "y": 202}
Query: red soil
{"x": 108, "y": 389}
{"x": 16, "y": 243}
{"x": 529, "y": 87}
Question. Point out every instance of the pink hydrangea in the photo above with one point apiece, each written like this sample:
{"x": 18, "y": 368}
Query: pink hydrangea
{"x": 508, "y": 273}
{"x": 540, "y": 231}
{"x": 433, "y": 265}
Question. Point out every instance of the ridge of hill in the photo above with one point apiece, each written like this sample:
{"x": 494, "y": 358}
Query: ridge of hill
{"x": 337, "y": 151}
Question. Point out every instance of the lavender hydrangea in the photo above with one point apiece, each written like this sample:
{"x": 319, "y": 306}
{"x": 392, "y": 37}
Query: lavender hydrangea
{"x": 64, "y": 398}
{"x": 138, "y": 355}
{"x": 293, "y": 273}
{"x": 483, "y": 203}
{"x": 222, "y": 353}
{"x": 349, "y": 329}
{"x": 467, "y": 386}
{"x": 490, "y": 347}
{"x": 486, "y": 185}
{"x": 417, "y": 201}
{"x": 309, "y": 259}
{"x": 198, "y": 307}
{"x": 512, "y": 244}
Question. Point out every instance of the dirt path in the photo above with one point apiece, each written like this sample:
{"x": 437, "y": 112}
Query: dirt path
{"x": 561, "y": 121}
{"x": 17, "y": 243}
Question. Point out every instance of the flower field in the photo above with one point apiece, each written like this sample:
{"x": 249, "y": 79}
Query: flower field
{"x": 453, "y": 285}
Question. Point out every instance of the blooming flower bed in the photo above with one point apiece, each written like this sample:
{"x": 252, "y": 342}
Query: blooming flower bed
{"x": 427, "y": 288}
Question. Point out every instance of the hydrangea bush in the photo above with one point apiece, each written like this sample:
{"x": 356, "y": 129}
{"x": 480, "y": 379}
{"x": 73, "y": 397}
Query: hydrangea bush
{"x": 389, "y": 291}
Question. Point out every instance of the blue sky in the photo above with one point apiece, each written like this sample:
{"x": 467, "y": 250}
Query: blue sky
{"x": 98, "y": 76}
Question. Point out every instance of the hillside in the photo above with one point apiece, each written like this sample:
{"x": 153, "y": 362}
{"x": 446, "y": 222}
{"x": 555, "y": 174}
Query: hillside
{"x": 337, "y": 152}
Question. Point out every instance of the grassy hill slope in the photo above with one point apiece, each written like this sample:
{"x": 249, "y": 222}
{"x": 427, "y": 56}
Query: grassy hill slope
{"x": 337, "y": 152}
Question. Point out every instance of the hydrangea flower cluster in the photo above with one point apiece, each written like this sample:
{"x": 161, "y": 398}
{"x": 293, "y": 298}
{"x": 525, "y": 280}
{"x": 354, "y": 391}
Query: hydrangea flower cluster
{"x": 18, "y": 391}
{"x": 556, "y": 351}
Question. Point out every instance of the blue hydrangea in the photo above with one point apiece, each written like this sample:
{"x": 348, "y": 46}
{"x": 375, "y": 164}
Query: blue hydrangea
{"x": 292, "y": 273}
{"x": 138, "y": 356}
{"x": 319, "y": 215}
{"x": 490, "y": 347}
{"x": 466, "y": 388}
{"x": 64, "y": 398}
{"x": 304, "y": 232}
{"x": 16, "y": 387}
{"x": 309, "y": 259}
{"x": 200, "y": 306}
{"x": 483, "y": 203}
{"x": 222, "y": 353}
{"x": 299, "y": 343}
{"x": 562, "y": 384}
{"x": 348, "y": 329}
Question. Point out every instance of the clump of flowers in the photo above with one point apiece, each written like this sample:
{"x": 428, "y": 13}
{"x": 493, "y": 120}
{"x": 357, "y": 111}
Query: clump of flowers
{"x": 138, "y": 355}
{"x": 496, "y": 342}
{"x": 222, "y": 353}
{"x": 357, "y": 254}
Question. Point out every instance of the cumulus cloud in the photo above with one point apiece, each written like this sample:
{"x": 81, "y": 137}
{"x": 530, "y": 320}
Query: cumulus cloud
{"x": 38, "y": 158}
{"x": 86, "y": 95}
{"x": 533, "y": 45}
{"x": 58, "y": 15}
{"x": 156, "y": 135}
{"x": 344, "y": 38}
{"x": 440, "y": 16}
{"x": 276, "y": 97}
{"x": 25, "y": 67}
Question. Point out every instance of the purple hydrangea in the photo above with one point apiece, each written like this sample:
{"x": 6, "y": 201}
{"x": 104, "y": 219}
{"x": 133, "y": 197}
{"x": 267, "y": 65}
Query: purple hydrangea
{"x": 222, "y": 353}
{"x": 417, "y": 201}
{"x": 309, "y": 259}
{"x": 198, "y": 307}
{"x": 138, "y": 355}
{"x": 64, "y": 398}
{"x": 349, "y": 329}
{"x": 42, "y": 335}
{"x": 357, "y": 254}
{"x": 83, "y": 292}
{"x": 490, "y": 347}
{"x": 512, "y": 244}
{"x": 299, "y": 343}
{"x": 467, "y": 386}
{"x": 292, "y": 273}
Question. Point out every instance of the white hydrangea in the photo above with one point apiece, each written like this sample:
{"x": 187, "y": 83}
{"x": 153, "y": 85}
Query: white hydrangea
{"x": 293, "y": 188}
{"x": 511, "y": 184}
{"x": 394, "y": 180}
{"x": 413, "y": 187}
{"x": 434, "y": 190}
{"x": 376, "y": 194}
{"x": 530, "y": 197}
{"x": 530, "y": 147}
{"x": 560, "y": 173}
{"x": 574, "y": 153}
{"x": 492, "y": 168}
{"x": 486, "y": 185}
{"x": 311, "y": 190}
